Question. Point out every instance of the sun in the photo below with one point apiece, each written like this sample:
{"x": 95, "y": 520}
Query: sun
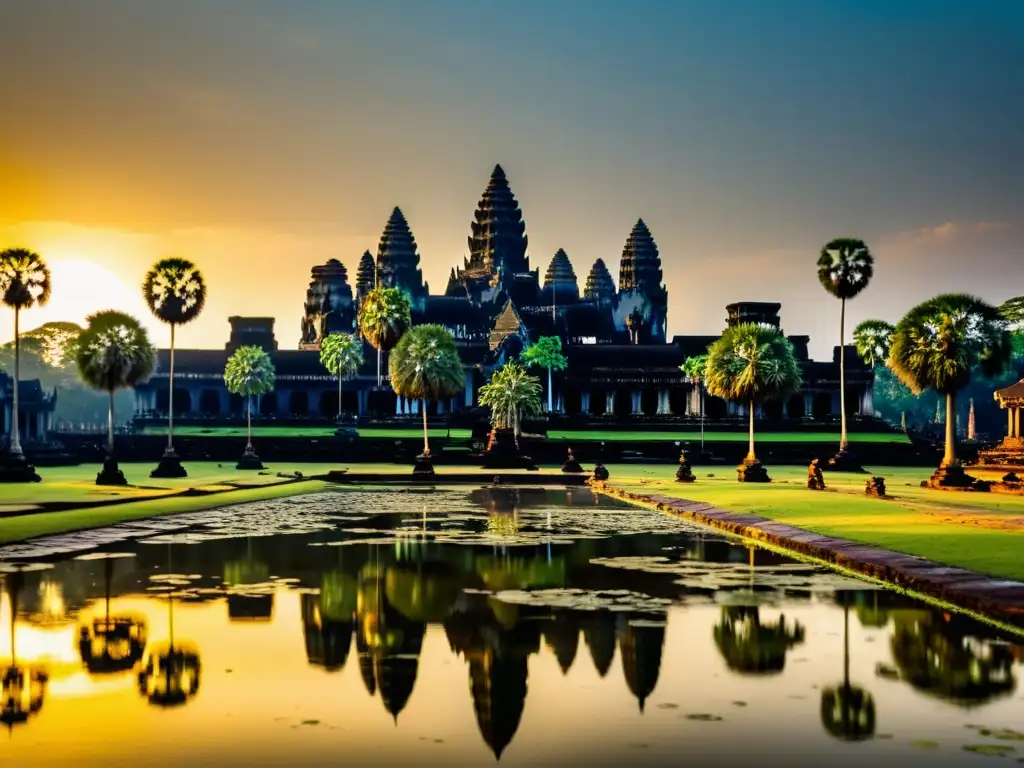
{"x": 79, "y": 288}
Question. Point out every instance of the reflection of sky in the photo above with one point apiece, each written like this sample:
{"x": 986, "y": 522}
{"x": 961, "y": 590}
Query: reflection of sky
{"x": 258, "y": 689}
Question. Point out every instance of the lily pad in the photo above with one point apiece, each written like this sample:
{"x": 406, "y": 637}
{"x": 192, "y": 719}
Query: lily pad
{"x": 992, "y": 750}
{"x": 704, "y": 718}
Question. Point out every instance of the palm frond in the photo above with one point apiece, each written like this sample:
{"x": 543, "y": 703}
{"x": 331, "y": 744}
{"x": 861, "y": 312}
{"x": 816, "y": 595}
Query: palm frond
{"x": 512, "y": 394}
{"x": 873, "y": 338}
{"x": 845, "y": 267}
{"x": 24, "y": 279}
{"x": 249, "y": 371}
{"x": 425, "y": 364}
{"x": 114, "y": 352}
{"x": 752, "y": 362}
{"x": 384, "y": 316}
{"x": 342, "y": 355}
{"x": 174, "y": 290}
{"x": 940, "y": 342}
{"x": 546, "y": 352}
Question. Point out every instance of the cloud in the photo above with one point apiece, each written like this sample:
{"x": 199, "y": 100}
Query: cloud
{"x": 945, "y": 232}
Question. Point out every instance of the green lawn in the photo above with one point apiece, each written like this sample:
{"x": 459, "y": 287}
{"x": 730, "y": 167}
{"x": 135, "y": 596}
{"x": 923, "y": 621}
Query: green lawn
{"x": 980, "y": 531}
{"x": 726, "y": 437}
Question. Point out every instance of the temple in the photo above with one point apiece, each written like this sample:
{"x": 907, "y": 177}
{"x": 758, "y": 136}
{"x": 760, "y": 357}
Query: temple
{"x": 35, "y": 406}
{"x": 1008, "y": 454}
{"x": 621, "y": 361}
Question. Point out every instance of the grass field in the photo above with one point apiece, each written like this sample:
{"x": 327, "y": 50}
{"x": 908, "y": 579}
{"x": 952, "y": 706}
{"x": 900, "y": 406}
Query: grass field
{"x": 568, "y": 435}
{"x": 980, "y": 531}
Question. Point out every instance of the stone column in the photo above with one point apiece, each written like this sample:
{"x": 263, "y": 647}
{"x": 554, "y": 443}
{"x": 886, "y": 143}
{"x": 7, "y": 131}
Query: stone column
{"x": 867, "y": 403}
{"x": 785, "y": 408}
{"x": 834, "y": 404}
{"x": 414, "y": 406}
{"x": 1016, "y": 422}
{"x": 609, "y": 402}
{"x": 1009, "y": 422}
{"x": 585, "y": 402}
{"x": 469, "y": 391}
{"x": 808, "y": 405}
{"x": 665, "y": 407}
{"x": 398, "y": 405}
{"x": 40, "y": 428}
{"x": 637, "y": 402}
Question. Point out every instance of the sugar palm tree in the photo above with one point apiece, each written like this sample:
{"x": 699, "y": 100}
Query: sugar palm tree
{"x": 546, "y": 352}
{"x": 512, "y": 394}
{"x": 425, "y": 366}
{"x": 249, "y": 373}
{"x": 873, "y": 339}
{"x": 938, "y": 346}
{"x": 847, "y": 711}
{"x": 384, "y": 317}
{"x": 342, "y": 355}
{"x": 175, "y": 293}
{"x": 114, "y": 353}
{"x": 845, "y": 267}
{"x": 24, "y": 283}
{"x": 752, "y": 364}
{"x": 695, "y": 369}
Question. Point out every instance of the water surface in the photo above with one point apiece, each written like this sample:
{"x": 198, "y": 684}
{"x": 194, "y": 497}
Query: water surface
{"x": 457, "y": 627}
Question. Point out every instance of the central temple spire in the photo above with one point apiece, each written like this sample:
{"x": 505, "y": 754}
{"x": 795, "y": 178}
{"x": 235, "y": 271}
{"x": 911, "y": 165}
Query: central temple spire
{"x": 398, "y": 262}
{"x": 498, "y": 239}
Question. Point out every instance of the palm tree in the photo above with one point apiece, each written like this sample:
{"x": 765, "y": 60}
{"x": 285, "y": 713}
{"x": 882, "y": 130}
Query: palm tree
{"x": 114, "y": 353}
{"x": 752, "y": 364}
{"x": 24, "y": 283}
{"x": 249, "y": 373}
{"x": 695, "y": 369}
{"x": 342, "y": 355}
{"x": 938, "y": 346}
{"x": 547, "y": 353}
{"x": 847, "y": 711}
{"x": 425, "y": 366}
{"x": 175, "y": 292}
{"x": 512, "y": 394}
{"x": 845, "y": 267}
{"x": 873, "y": 339}
{"x": 384, "y": 317}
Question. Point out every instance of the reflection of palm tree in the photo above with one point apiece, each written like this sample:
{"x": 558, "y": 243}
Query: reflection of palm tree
{"x": 848, "y": 712}
{"x": 111, "y": 643}
{"x": 937, "y": 657}
{"x": 169, "y": 672}
{"x": 641, "y": 646}
{"x": 750, "y": 647}
{"x": 22, "y": 687}
{"x": 246, "y": 600}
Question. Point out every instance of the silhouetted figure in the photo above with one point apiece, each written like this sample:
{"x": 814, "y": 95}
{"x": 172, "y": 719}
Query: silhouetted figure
{"x": 875, "y": 486}
{"x": 815, "y": 478}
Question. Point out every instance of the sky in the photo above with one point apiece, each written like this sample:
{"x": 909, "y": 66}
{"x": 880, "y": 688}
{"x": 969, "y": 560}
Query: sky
{"x": 260, "y": 139}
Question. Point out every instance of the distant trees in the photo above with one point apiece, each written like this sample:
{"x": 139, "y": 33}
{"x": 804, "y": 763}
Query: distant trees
{"x": 873, "y": 338}
{"x": 249, "y": 373}
{"x": 114, "y": 352}
{"x": 546, "y": 352}
{"x": 695, "y": 368}
{"x": 512, "y": 394}
{"x": 175, "y": 293}
{"x": 845, "y": 267}
{"x": 384, "y": 316}
{"x": 941, "y": 343}
{"x": 424, "y": 366}
{"x": 24, "y": 283}
{"x": 342, "y": 355}
{"x": 752, "y": 364}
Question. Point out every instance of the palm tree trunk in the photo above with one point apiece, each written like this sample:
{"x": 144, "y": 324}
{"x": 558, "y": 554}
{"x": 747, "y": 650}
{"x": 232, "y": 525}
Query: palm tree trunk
{"x": 248, "y": 423}
{"x": 701, "y": 385}
{"x": 339, "y": 397}
{"x": 842, "y": 376}
{"x": 110, "y": 426}
{"x": 378, "y": 367}
{"x": 750, "y": 456}
{"x": 949, "y": 460}
{"x": 15, "y": 449}
{"x": 170, "y": 400}
{"x": 846, "y": 646}
{"x": 550, "y": 408}
{"x": 426, "y": 442}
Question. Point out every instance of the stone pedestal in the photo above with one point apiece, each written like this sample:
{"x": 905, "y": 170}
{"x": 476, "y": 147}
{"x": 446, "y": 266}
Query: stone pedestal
{"x": 502, "y": 452}
{"x": 423, "y": 467}
{"x": 111, "y": 473}
{"x": 17, "y": 470}
{"x": 571, "y": 465}
{"x": 600, "y": 472}
{"x": 952, "y": 476}
{"x": 815, "y": 478}
{"x": 844, "y": 461}
{"x": 752, "y": 471}
{"x": 249, "y": 460}
{"x": 169, "y": 466}
{"x": 684, "y": 473}
{"x": 875, "y": 486}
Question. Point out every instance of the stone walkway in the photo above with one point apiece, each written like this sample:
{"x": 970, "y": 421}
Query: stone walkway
{"x": 1000, "y": 599}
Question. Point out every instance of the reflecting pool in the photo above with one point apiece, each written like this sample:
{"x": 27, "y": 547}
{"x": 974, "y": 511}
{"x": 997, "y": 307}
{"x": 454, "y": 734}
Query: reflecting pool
{"x": 457, "y": 627}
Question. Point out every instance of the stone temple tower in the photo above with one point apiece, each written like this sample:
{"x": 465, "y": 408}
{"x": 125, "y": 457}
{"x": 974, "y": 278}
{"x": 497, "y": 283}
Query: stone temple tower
{"x": 560, "y": 280}
{"x": 398, "y": 261}
{"x": 329, "y": 307}
{"x": 600, "y": 287}
{"x": 366, "y": 276}
{"x": 642, "y": 295}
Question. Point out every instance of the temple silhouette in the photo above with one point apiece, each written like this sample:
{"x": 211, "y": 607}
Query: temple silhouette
{"x": 621, "y": 361}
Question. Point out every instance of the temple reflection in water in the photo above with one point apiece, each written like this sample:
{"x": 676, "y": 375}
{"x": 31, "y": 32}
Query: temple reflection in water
{"x": 517, "y": 612}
